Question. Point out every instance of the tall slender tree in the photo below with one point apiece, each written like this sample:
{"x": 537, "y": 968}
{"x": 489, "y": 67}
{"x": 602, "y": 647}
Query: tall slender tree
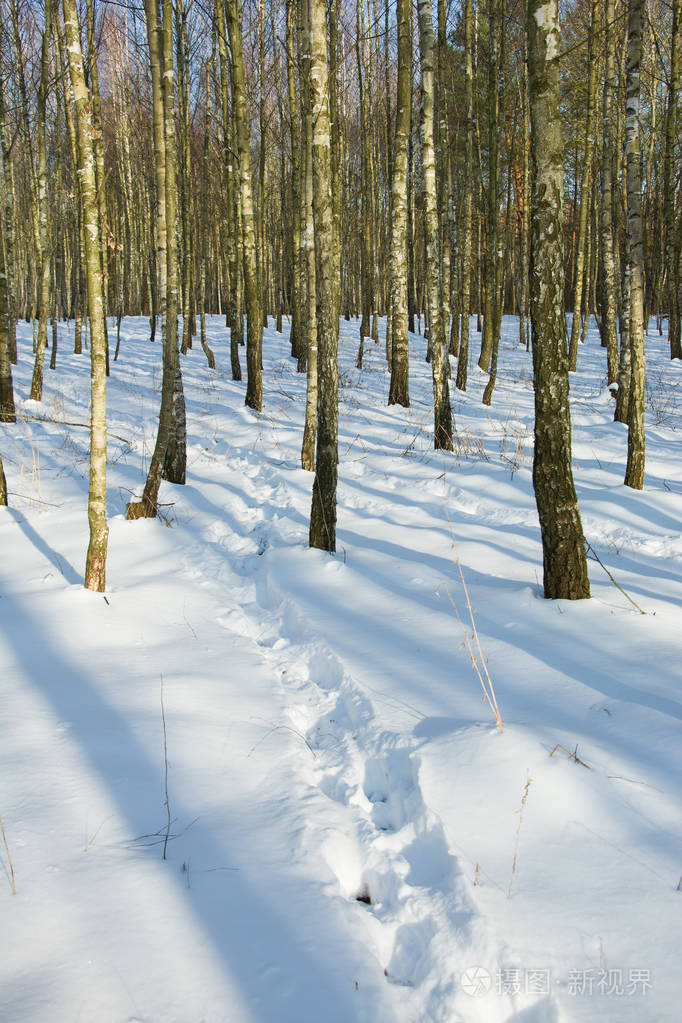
{"x": 169, "y": 456}
{"x": 43, "y": 208}
{"x": 463, "y": 359}
{"x": 309, "y": 291}
{"x": 634, "y": 473}
{"x": 254, "y": 312}
{"x": 442, "y": 432}
{"x": 672, "y": 236}
{"x": 609, "y": 303}
{"x": 95, "y": 565}
{"x": 563, "y": 545}
{"x": 322, "y": 532}
{"x": 585, "y": 188}
{"x": 399, "y": 390}
{"x": 7, "y": 409}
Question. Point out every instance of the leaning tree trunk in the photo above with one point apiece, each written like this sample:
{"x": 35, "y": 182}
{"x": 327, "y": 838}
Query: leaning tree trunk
{"x": 563, "y": 544}
{"x": 3, "y": 486}
{"x": 95, "y": 566}
{"x": 399, "y": 390}
{"x": 634, "y": 473}
{"x": 169, "y": 457}
{"x": 442, "y": 432}
{"x": 322, "y": 532}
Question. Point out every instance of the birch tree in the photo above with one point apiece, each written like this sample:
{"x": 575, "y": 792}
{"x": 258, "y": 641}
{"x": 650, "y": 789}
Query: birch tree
{"x": 322, "y": 532}
{"x": 463, "y": 359}
{"x": 254, "y": 313}
{"x": 95, "y": 565}
{"x": 563, "y": 544}
{"x": 169, "y": 457}
{"x": 7, "y": 409}
{"x": 585, "y": 188}
{"x": 442, "y": 432}
{"x": 308, "y": 296}
{"x": 43, "y": 209}
{"x": 399, "y": 390}
{"x": 634, "y": 473}
{"x": 609, "y": 317}
{"x": 672, "y": 236}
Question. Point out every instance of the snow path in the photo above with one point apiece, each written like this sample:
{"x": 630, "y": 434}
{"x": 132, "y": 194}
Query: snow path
{"x": 384, "y": 848}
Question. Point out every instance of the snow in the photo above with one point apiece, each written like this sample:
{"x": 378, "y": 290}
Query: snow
{"x": 326, "y": 735}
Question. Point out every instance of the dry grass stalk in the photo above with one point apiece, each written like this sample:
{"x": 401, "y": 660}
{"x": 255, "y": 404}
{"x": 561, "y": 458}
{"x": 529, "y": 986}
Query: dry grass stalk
{"x": 166, "y": 801}
{"x": 518, "y": 834}
{"x": 477, "y": 659}
{"x": 9, "y": 858}
{"x": 595, "y": 557}
{"x": 574, "y": 755}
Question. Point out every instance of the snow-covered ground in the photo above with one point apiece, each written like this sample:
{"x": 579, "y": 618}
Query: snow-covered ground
{"x": 352, "y": 837}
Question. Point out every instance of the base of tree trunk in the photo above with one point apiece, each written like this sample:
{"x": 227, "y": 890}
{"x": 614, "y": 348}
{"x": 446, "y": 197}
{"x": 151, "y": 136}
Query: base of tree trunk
{"x": 140, "y": 510}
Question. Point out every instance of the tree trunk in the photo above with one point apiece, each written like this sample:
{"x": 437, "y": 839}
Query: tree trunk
{"x": 609, "y": 298}
{"x": 492, "y": 258}
{"x": 43, "y": 207}
{"x": 585, "y": 190}
{"x": 7, "y": 229}
{"x": 399, "y": 390}
{"x": 234, "y": 315}
{"x": 95, "y": 566}
{"x": 365, "y": 191}
{"x": 309, "y": 309}
{"x": 295, "y": 331}
{"x": 563, "y": 544}
{"x": 175, "y": 460}
{"x": 323, "y": 511}
{"x": 169, "y": 457}
{"x": 184, "y": 176}
{"x": 672, "y": 248}
{"x": 98, "y": 149}
{"x": 442, "y": 432}
{"x": 7, "y": 409}
{"x": 634, "y": 474}
{"x": 463, "y": 359}
{"x": 254, "y": 313}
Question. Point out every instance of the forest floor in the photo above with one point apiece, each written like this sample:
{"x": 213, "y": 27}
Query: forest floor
{"x": 351, "y": 836}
